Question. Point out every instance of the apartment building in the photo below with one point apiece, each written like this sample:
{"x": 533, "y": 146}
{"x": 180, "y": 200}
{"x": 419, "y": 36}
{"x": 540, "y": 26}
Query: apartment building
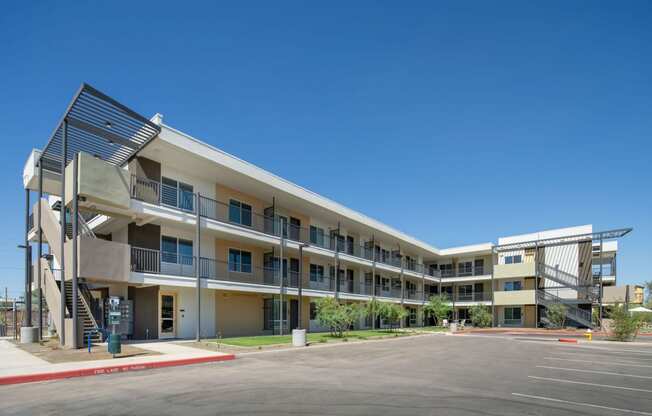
{"x": 199, "y": 243}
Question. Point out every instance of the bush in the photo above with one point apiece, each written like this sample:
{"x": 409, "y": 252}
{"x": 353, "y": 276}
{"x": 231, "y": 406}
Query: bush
{"x": 438, "y": 307}
{"x": 480, "y": 316}
{"x": 557, "y": 315}
{"x": 625, "y": 326}
{"x": 337, "y": 317}
{"x": 392, "y": 313}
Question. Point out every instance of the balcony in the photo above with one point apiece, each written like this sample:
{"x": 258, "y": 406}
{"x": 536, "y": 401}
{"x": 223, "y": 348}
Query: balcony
{"x": 464, "y": 272}
{"x": 157, "y": 193}
{"x": 467, "y": 297}
{"x": 156, "y": 262}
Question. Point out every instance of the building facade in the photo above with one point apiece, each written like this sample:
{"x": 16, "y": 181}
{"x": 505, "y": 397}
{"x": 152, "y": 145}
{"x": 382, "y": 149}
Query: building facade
{"x": 196, "y": 242}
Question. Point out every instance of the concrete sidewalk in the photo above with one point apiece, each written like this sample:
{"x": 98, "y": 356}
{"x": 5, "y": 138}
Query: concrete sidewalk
{"x": 17, "y": 365}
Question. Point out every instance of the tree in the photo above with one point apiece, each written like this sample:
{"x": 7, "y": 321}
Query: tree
{"x": 392, "y": 313}
{"x": 557, "y": 315}
{"x": 438, "y": 307}
{"x": 480, "y": 316}
{"x": 625, "y": 326}
{"x": 648, "y": 288}
{"x": 337, "y": 317}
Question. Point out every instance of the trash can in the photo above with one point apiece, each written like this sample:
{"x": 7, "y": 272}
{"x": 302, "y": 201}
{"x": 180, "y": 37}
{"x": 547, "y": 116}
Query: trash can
{"x": 299, "y": 337}
{"x": 452, "y": 327}
{"x": 114, "y": 344}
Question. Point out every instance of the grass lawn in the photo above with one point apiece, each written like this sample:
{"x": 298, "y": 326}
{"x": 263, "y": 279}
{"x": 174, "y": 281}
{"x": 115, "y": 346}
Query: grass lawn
{"x": 317, "y": 337}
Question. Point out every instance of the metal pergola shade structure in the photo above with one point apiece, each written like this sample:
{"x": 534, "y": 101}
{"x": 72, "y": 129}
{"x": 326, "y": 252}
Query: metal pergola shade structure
{"x": 554, "y": 241}
{"x": 97, "y": 124}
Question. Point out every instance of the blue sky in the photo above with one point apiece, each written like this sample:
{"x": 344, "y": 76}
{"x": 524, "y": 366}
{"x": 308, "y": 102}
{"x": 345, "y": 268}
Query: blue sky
{"x": 455, "y": 122}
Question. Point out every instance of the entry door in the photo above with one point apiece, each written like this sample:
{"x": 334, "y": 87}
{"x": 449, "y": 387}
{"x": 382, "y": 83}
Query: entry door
{"x": 167, "y": 315}
{"x": 294, "y": 314}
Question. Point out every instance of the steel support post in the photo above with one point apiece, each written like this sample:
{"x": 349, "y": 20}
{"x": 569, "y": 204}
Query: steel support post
{"x": 600, "y": 285}
{"x": 27, "y": 319}
{"x": 74, "y": 214}
{"x": 373, "y": 279}
{"x": 62, "y": 221}
{"x": 281, "y": 279}
{"x": 198, "y": 265}
{"x": 40, "y": 251}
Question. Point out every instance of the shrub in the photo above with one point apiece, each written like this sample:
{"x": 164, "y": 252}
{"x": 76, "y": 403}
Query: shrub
{"x": 438, "y": 307}
{"x": 337, "y": 317}
{"x": 557, "y": 315}
{"x": 392, "y": 313}
{"x": 480, "y": 316}
{"x": 625, "y": 326}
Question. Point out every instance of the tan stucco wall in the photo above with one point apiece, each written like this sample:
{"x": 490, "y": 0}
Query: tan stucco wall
{"x": 224, "y": 193}
{"x": 238, "y": 313}
{"x": 506, "y": 271}
{"x": 529, "y": 316}
{"x": 514, "y": 297}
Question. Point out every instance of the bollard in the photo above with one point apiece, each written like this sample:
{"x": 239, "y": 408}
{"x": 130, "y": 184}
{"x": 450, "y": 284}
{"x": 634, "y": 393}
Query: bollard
{"x": 89, "y": 342}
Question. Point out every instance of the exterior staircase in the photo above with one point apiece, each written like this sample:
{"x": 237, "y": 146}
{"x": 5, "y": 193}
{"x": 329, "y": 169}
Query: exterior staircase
{"x": 573, "y": 312}
{"x": 84, "y": 313}
{"x": 51, "y": 279}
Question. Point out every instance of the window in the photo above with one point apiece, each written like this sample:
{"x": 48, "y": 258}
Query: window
{"x": 465, "y": 292}
{"x": 514, "y": 259}
{"x": 349, "y": 244}
{"x": 478, "y": 266}
{"x": 169, "y": 191}
{"x": 515, "y": 285}
{"x": 239, "y": 261}
{"x": 446, "y": 270}
{"x": 175, "y": 250}
{"x": 317, "y": 236}
{"x": 313, "y": 311}
{"x": 176, "y": 194}
{"x": 384, "y": 284}
{"x": 316, "y": 273}
{"x": 239, "y": 213}
{"x": 512, "y": 315}
{"x": 465, "y": 268}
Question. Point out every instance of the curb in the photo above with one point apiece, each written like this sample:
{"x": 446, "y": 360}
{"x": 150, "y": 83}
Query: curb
{"x": 569, "y": 340}
{"x": 31, "y": 378}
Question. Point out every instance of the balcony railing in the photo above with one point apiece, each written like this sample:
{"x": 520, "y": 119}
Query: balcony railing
{"x": 465, "y": 297}
{"x": 155, "y": 192}
{"x": 464, "y": 272}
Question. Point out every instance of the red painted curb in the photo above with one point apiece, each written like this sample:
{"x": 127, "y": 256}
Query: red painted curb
{"x": 31, "y": 378}
{"x": 570, "y": 340}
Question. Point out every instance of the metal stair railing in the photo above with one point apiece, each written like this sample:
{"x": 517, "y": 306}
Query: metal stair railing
{"x": 559, "y": 276}
{"x": 573, "y": 312}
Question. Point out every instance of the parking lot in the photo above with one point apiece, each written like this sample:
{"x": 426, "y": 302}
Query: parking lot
{"x": 425, "y": 375}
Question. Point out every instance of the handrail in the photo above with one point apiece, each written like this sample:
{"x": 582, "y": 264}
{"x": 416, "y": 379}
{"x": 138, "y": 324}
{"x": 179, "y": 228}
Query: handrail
{"x": 82, "y": 295}
{"x": 578, "y": 314}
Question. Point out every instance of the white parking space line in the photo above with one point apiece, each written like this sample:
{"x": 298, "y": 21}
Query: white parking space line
{"x": 596, "y": 406}
{"x": 610, "y": 350}
{"x": 583, "y": 353}
{"x": 607, "y": 386}
{"x": 594, "y": 372}
{"x": 599, "y": 362}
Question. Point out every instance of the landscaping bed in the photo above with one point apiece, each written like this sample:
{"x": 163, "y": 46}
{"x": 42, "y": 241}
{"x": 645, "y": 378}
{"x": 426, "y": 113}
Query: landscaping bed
{"x": 50, "y": 351}
{"x": 243, "y": 344}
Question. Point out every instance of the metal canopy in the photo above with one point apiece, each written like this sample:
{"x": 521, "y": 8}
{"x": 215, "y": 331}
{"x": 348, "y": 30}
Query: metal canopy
{"x": 577, "y": 238}
{"x": 97, "y": 124}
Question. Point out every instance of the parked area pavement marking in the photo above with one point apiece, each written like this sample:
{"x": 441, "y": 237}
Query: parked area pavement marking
{"x": 594, "y": 372}
{"x": 608, "y": 386}
{"x": 630, "y": 364}
{"x": 582, "y": 353}
{"x": 551, "y": 399}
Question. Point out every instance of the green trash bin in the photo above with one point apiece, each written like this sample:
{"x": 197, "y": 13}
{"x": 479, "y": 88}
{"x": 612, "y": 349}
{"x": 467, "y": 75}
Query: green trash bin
{"x": 114, "y": 344}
